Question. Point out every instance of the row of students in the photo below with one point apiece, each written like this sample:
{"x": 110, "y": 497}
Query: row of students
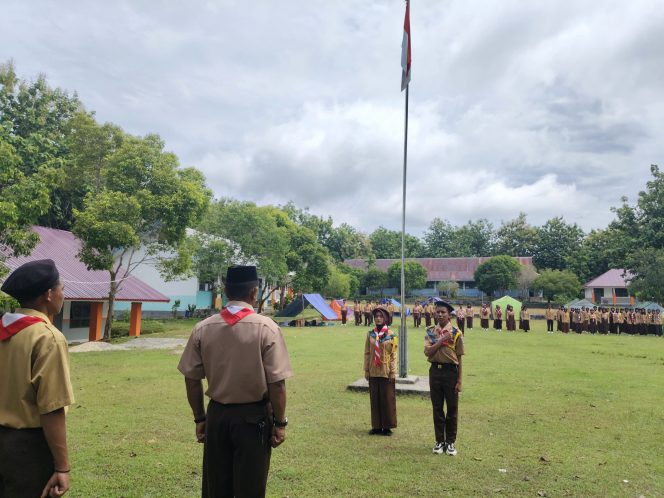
{"x": 605, "y": 320}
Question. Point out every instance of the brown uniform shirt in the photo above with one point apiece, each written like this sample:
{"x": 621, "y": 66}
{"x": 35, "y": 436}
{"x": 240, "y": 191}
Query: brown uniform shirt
{"x": 34, "y": 374}
{"x": 388, "y": 356}
{"x": 238, "y": 361}
{"x": 446, "y": 354}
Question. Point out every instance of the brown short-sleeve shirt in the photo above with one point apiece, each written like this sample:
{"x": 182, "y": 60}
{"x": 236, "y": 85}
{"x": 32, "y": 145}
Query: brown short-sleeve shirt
{"x": 446, "y": 354}
{"x": 238, "y": 361}
{"x": 34, "y": 374}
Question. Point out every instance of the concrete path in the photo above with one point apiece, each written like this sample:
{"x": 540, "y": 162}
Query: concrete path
{"x": 138, "y": 343}
{"x": 409, "y": 385}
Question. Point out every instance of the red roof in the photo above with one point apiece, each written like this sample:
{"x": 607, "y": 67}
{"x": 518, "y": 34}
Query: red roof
{"x": 82, "y": 284}
{"x": 613, "y": 278}
{"x": 440, "y": 269}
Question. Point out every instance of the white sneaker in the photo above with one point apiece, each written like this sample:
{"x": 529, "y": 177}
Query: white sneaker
{"x": 451, "y": 450}
{"x": 439, "y": 449}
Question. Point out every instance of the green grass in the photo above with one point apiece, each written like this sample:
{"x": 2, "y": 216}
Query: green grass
{"x": 566, "y": 415}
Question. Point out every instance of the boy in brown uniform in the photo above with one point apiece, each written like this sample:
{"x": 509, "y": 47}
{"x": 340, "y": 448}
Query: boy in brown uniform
{"x": 443, "y": 347}
{"x": 244, "y": 359}
{"x": 34, "y": 368}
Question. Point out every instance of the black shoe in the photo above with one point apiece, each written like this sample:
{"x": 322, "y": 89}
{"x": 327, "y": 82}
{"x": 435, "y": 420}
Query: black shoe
{"x": 387, "y": 432}
{"x": 373, "y": 432}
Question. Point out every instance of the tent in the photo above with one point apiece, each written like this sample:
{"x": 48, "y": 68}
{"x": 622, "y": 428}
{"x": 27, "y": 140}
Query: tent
{"x": 336, "y": 306}
{"x": 307, "y": 306}
{"x": 503, "y": 302}
{"x": 579, "y": 303}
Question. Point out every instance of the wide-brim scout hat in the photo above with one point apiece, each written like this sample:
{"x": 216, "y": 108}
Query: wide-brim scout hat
{"x": 386, "y": 314}
{"x": 31, "y": 280}
{"x": 445, "y": 304}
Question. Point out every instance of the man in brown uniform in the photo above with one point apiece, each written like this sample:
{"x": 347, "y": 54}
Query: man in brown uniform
{"x": 357, "y": 313}
{"x": 443, "y": 347}
{"x": 244, "y": 358}
{"x": 34, "y": 368}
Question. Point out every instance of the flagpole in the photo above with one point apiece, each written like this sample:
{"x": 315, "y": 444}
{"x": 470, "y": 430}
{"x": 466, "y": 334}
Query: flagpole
{"x": 403, "y": 350}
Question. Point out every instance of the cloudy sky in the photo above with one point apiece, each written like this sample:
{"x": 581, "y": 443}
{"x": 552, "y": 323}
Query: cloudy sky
{"x": 552, "y": 107}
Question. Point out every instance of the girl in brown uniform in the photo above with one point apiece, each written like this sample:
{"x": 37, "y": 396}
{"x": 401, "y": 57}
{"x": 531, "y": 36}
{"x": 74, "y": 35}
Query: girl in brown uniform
{"x": 380, "y": 365}
{"x": 484, "y": 317}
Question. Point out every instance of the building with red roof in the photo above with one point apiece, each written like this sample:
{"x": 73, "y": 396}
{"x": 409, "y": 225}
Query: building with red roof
{"x": 83, "y": 315}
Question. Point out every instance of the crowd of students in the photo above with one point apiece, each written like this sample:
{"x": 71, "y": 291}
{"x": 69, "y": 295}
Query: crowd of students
{"x": 602, "y": 320}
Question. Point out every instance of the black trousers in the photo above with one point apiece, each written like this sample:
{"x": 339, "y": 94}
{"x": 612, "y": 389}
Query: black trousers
{"x": 26, "y": 463}
{"x": 442, "y": 379}
{"x": 549, "y": 325}
{"x": 236, "y": 458}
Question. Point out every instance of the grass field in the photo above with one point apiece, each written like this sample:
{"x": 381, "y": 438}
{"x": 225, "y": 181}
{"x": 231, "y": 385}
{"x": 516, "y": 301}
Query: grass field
{"x": 563, "y": 415}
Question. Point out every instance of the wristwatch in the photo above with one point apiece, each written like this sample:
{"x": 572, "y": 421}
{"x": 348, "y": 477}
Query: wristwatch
{"x": 280, "y": 423}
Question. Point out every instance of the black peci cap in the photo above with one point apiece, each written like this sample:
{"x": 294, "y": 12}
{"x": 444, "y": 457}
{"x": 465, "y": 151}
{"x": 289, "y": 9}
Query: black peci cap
{"x": 447, "y": 305}
{"x": 241, "y": 275}
{"x": 31, "y": 280}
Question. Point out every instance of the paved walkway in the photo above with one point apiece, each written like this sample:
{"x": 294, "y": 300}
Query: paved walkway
{"x": 138, "y": 343}
{"x": 409, "y": 385}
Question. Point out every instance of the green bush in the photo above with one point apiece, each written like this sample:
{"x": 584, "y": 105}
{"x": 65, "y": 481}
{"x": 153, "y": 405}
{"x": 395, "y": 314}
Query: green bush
{"x": 121, "y": 328}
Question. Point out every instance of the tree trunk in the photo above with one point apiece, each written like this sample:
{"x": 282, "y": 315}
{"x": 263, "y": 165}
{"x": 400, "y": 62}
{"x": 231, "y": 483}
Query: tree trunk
{"x": 111, "y": 303}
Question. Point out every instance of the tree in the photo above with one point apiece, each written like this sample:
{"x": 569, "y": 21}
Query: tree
{"x": 557, "y": 284}
{"x": 415, "y": 275}
{"x": 375, "y": 279}
{"x": 449, "y": 288}
{"x": 439, "y": 239}
{"x": 355, "y": 276}
{"x": 527, "y": 276}
{"x": 647, "y": 267}
{"x": 338, "y": 284}
{"x": 516, "y": 237}
{"x": 321, "y": 227}
{"x": 474, "y": 239}
{"x": 346, "y": 242}
{"x": 142, "y": 211}
{"x": 600, "y": 251}
{"x": 386, "y": 244}
{"x": 497, "y": 274}
{"x": 556, "y": 243}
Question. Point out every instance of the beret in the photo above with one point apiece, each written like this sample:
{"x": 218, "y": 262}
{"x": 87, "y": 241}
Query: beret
{"x": 31, "y": 280}
{"x": 447, "y": 305}
{"x": 237, "y": 275}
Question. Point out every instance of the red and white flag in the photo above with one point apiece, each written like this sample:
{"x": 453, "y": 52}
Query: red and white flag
{"x": 12, "y": 323}
{"x": 405, "y": 50}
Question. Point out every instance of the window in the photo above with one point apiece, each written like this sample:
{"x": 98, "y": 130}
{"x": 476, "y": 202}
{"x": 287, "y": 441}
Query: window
{"x": 205, "y": 286}
{"x": 79, "y": 314}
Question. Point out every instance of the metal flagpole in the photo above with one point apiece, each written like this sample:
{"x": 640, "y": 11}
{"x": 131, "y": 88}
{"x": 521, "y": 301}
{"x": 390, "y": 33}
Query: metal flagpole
{"x": 403, "y": 339}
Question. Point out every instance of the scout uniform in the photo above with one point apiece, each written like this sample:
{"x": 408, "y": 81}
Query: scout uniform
{"x": 357, "y": 313}
{"x": 444, "y": 373}
{"x": 428, "y": 313}
{"x": 498, "y": 319}
{"x": 461, "y": 320}
{"x": 239, "y": 353}
{"x": 524, "y": 319}
{"x": 417, "y": 315}
{"x": 344, "y": 313}
{"x": 380, "y": 366}
{"x": 367, "y": 313}
{"x": 550, "y": 315}
{"x": 34, "y": 368}
{"x": 484, "y": 317}
{"x": 469, "y": 316}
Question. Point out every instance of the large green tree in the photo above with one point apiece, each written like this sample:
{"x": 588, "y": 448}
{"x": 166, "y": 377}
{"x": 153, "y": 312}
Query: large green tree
{"x": 500, "y": 273}
{"x": 647, "y": 267}
{"x": 415, "y": 275}
{"x": 375, "y": 279}
{"x": 439, "y": 239}
{"x": 143, "y": 209}
{"x": 556, "y": 243}
{"x": 557, "y": 285}
{"x": 346, "y": 242}
{"x": 516, "y": 237}
{"x": 386, "y": 244}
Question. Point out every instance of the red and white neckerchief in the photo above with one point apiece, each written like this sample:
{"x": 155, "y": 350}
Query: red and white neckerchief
{"x": 233, "y": 314}
{"x": 379, "y": 335}
{"x": 12, "y": 323}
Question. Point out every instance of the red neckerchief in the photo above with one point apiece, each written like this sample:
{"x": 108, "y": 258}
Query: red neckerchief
{"x": 379, "y": 334}
{"x": 233, "y": 314}
{"x": 12, "y": 323}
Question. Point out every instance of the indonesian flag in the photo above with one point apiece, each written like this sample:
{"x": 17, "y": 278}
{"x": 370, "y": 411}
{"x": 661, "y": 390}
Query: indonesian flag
{"x": 12, "y": 323}
{"x": 233, "y": 314}
{"x": 405, "y": 50}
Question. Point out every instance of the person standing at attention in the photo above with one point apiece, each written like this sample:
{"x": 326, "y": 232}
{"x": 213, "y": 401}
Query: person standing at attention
{"x": 380, "y": 370}
{"x": 36, "y": 389}
{"x": 443, "y": 347}
{"x": 243, "y": 356}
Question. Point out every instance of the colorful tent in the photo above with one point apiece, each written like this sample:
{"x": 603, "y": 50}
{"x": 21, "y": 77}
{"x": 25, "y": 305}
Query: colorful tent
{"x": 336, "y": 306}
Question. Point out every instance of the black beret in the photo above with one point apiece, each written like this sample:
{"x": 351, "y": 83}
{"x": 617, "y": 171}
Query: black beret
{"x": 31, "y": 280}
{"x": 447, "y": 305}
{"x": 237, "y": 275}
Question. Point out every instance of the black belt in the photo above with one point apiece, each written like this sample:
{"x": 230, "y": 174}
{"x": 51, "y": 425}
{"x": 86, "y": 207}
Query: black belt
{"x": 230, "y": 405}
{"x": 440, "y": 366}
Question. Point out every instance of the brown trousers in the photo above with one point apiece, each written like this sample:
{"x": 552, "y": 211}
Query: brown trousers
{"x": 236, "y": 457}
{"x": 26, "y": 463}
{"x": 383, "y": 399}
{"x": 442, "y": 379}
